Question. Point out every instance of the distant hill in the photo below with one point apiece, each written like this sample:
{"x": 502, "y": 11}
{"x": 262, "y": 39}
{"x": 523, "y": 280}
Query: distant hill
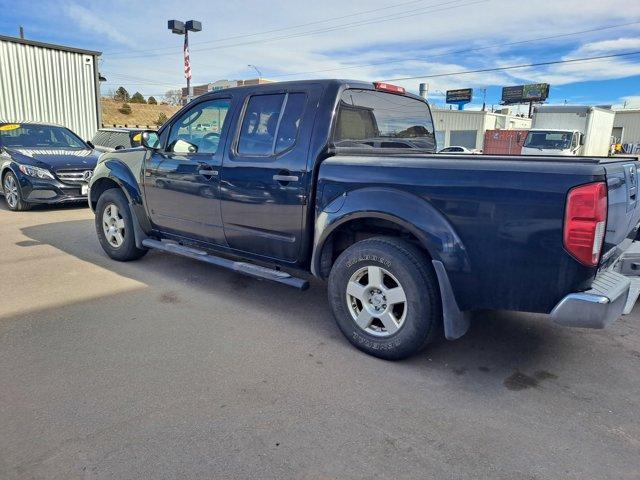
{"x": 141, "y": 114}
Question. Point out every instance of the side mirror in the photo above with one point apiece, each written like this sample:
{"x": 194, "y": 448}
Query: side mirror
{"x": 182, "y": 146}
{"x": 581, "y": 139}
{"x": 150, "y": 140}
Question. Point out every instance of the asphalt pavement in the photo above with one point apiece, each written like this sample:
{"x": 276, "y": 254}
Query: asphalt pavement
{"x": 167, "y": 368}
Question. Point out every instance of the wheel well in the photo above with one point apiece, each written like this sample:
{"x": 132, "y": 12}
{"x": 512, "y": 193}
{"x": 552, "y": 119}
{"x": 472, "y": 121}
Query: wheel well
{"x": 360, "y": 229}
{"x": 99, "y": 187}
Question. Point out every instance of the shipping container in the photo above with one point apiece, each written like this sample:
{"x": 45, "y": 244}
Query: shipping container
{"x": 504, "y": 142}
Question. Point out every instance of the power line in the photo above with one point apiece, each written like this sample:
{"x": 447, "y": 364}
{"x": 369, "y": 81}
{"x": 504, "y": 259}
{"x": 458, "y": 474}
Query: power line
{"x": 451, "y": 52}
{"x": 292, "y": 27}
{"x": 387, "y": 18}
{"x": 512, "y": 67}
{"x": 454, "y": 52}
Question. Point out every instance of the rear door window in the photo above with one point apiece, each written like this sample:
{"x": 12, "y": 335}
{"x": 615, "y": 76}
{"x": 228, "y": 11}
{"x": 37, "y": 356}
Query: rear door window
{"x": 290, "y": 122}
{"x": 260, "y": 125}
{"x": 271, "y": 123}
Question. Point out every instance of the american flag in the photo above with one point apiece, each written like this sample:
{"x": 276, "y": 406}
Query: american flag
{"x": 187, "y": 63}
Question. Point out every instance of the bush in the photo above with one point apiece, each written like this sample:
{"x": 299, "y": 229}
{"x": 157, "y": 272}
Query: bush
{"x": 152, "y": 101}
{"x": 125, "y": 109}
{"x": 138, "y": 98}
{"x": 162, "y": 118}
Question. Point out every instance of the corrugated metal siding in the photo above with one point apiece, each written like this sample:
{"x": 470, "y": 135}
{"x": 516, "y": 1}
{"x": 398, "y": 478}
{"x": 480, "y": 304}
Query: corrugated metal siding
{"x": 630, "y": 122}
{"x": 46, "y": 85}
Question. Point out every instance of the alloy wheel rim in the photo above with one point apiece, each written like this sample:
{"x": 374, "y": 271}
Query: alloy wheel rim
{"x": 376, "y": 301}
{"x": 113, "y": 225}
{"x": 11, "y": 191}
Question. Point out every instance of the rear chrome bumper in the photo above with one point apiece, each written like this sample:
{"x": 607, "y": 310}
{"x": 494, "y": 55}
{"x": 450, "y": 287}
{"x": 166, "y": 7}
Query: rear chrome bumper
{"x": 609, "y": 298}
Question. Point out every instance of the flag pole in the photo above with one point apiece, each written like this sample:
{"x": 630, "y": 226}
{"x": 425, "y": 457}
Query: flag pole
{"x": 186, "y": 46}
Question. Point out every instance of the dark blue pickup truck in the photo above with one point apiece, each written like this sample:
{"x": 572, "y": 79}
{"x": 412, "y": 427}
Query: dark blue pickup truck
{"x": 341, "y": 179}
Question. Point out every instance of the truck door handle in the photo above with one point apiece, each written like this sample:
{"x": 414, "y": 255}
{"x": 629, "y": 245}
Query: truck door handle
{"x": 285, "y": 178}
{"x": 208, "y": 172}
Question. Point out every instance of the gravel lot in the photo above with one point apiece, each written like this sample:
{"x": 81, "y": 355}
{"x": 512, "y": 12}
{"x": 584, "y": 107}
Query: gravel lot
{"x": 168, "y": 368}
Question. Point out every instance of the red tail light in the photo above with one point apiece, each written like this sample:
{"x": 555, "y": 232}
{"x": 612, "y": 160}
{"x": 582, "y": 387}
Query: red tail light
{"x": 584, "y": 222}
{"x": 387, "y": 87}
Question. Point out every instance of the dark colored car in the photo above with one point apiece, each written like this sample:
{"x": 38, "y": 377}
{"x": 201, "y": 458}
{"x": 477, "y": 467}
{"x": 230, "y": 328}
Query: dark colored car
{"x": 340, "y": 179}
{"x": 41, "y": 163}
{"x": 111, "y": 139}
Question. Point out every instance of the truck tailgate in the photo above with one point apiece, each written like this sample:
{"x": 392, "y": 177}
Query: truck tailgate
{"x": 623, "y": 207}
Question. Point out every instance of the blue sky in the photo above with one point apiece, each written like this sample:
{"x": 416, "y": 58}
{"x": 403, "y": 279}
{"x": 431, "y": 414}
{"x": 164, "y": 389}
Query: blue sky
{"x": 369, "y": 40}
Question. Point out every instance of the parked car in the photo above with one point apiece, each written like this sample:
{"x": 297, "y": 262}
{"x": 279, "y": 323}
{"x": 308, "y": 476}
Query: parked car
{"x": 111, "y": 139}
{"x": 459, "y": 149}
{"x": 43, "y": 163}
{"x": 408, "y": 240}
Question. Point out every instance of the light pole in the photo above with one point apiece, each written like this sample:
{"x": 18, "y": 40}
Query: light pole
{"x": 183, "y": 28}
{"x": 256, "y": 69}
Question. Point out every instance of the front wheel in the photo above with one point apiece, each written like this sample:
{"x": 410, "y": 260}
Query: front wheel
{"x": 114, "y": 226}
{"x": 12, "y": 193}
{"x": 385, "y": 297}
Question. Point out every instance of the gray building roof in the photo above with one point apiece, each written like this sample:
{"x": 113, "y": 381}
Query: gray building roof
{"x": 50, "y": 46}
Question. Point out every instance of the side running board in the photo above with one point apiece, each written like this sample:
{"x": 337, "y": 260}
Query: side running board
{"x": 256, "y": 271}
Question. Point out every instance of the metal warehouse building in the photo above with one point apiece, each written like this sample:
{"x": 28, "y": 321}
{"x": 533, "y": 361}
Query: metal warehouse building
{"x": 466, "y": 128}
{"x": 626, "y": 129}
{"x": 49, "y": 83}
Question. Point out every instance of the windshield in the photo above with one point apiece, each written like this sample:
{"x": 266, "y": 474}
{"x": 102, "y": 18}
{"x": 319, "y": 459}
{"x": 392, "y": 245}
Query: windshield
{"x": 548, "y": 140}
{"x": 373, "y": 119}
{"x": 28, "y": 135}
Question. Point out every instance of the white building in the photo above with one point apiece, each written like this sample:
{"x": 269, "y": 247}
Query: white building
{"x": 49, "y": 83}
{"x": 466, "y": 128}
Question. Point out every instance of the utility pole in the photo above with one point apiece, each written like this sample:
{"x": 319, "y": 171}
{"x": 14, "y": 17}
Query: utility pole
{"x": 183, "y": 28}
{"x": 257, "y": 71}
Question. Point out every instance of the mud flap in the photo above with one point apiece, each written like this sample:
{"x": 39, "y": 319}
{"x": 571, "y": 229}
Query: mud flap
{"x": 456, "y": 322}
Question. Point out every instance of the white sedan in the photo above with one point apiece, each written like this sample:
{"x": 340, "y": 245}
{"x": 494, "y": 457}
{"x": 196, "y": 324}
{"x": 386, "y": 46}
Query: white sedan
{"x": 460, "y": 150}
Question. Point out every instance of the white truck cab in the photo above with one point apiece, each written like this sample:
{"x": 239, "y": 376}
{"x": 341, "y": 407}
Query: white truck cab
{"x": 553, "y": 142}
{"x": 570, "y": 131}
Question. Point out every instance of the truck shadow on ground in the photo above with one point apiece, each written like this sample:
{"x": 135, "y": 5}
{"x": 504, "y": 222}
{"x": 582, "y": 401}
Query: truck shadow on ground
{"x": 510, "y": 349}
{"x": 43, "y": 207}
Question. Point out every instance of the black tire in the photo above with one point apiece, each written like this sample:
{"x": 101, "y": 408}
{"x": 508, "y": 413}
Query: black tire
{"x": 413, "y": 271}
{"x": 19, "y": 205}
{"x": 127, "y": 250}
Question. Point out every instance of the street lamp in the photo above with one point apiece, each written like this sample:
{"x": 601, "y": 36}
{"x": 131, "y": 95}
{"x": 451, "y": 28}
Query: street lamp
{"x": 183, "y": 28}
{"x": 256, "y": 69}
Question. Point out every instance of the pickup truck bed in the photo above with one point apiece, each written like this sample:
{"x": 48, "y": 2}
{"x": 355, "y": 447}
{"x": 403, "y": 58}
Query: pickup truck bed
{"x": 500, "y": 219}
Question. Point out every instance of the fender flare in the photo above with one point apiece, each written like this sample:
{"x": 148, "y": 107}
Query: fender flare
{"x": 409, "y": 211}
{"x": 120, "y": 173}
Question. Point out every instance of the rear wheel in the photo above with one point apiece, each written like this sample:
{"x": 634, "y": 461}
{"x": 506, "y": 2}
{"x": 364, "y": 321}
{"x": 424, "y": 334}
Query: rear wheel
{"x": 12, "y": 193}
{"x": 114, "y": 226}
{"x": 385, "y": 297}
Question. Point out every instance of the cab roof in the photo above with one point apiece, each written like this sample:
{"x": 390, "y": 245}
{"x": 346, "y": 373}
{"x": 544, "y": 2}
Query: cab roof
{"x": 327, "y": 82}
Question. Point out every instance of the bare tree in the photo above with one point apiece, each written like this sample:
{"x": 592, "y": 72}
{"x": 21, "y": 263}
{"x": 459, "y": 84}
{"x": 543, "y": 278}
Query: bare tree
{"x": 173, "y": 97}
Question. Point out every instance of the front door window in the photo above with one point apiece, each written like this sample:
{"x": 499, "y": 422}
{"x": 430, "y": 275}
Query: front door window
{"x": 198, "y": 130}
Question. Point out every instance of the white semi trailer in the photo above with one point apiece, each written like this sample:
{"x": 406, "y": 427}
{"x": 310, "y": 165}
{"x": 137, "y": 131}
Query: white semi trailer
{"x": 570, "y": 131}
